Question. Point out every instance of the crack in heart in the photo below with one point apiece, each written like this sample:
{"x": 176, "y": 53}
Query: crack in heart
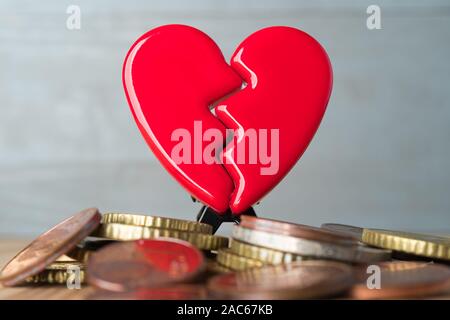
{"x": 230, "y": 136}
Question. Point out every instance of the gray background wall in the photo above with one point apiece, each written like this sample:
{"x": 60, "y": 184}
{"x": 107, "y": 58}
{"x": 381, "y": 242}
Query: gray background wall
{"x": 68, "y": 141}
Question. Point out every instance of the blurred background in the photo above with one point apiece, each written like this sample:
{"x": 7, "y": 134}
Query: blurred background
{"x": 68, "y": 140}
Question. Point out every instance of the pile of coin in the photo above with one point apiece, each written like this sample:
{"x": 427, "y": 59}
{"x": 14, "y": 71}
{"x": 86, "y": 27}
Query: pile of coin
{"x": 125, "y": 227}
{"x": 38, "y": 262}
{"x": 257, "y": 242}
{"x": 136, "y": 256}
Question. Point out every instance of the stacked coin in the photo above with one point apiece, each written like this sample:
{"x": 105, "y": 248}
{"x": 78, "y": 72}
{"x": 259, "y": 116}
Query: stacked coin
{"x": 295, "y": 280}
{"x": 404, "y": 245}
{"x": 423, "y": 274}
{"x": 40, "y": 262}
{"x": 421, "y": 245}
{"x": 257, "y": 242}
{"x": 61, "y": 272}
{"x": 61, "y": 255}
{"x": 125, "y": 227}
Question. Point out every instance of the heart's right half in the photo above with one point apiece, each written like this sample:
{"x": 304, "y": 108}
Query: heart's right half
{"x": 174, "y": 74}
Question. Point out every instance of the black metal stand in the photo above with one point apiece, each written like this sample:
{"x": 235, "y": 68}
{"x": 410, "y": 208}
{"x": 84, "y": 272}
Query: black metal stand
{"x": 215, "y": 219}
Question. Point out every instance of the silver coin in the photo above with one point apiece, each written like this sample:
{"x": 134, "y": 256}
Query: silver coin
{"x": 347, "y": 253}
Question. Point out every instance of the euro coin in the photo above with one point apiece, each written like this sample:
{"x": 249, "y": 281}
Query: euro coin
{"x": 297, "y": 280}
{"x": 423, "y": 245}
{"x": 236, "y": 262}
{"x": 60, "y": 273}
{"x": 124, "y": 232}
{"x": 262, "y": 254}
{"x": 395, "y": 280}
{"x": 295, "y": 230}
{"x": 157, "y": 222}
{"x": 143, "y": 264}
{"x": 50, "y": 246}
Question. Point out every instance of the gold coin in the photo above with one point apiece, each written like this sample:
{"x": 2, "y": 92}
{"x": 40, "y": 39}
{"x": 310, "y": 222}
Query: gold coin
{"x": 60, "y": 273}
{"x": 265, "y": 255}
{"x": 235, "y": 262}
{"x": 124, "y": 232}
{"x": 214, "y": 267}
{"x": 157, "y": 222}
{"x": 414, "y": 243}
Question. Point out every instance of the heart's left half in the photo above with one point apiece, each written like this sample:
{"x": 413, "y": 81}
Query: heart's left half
{"x": 172, "y": 75}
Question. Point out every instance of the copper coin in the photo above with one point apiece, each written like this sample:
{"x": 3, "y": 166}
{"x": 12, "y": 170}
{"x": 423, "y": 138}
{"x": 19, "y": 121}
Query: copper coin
{"x": 295, "y": 230}
{"x": 296, "y": 280}
{"x": 402, "y": 279}
{"x": 175, "y": 292}
{"x": 143, "y": 264}
{"x": 351, "y": 231}
{"x": 49, "y": 246}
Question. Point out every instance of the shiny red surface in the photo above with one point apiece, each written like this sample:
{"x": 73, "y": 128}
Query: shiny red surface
{"x": 172, "y": 74}
{"x": 173, "y": 257}
{"x": 289, "y": 80}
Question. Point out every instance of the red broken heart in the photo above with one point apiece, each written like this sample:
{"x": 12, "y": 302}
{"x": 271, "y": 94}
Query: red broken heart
{"x": 172, "y": 76}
